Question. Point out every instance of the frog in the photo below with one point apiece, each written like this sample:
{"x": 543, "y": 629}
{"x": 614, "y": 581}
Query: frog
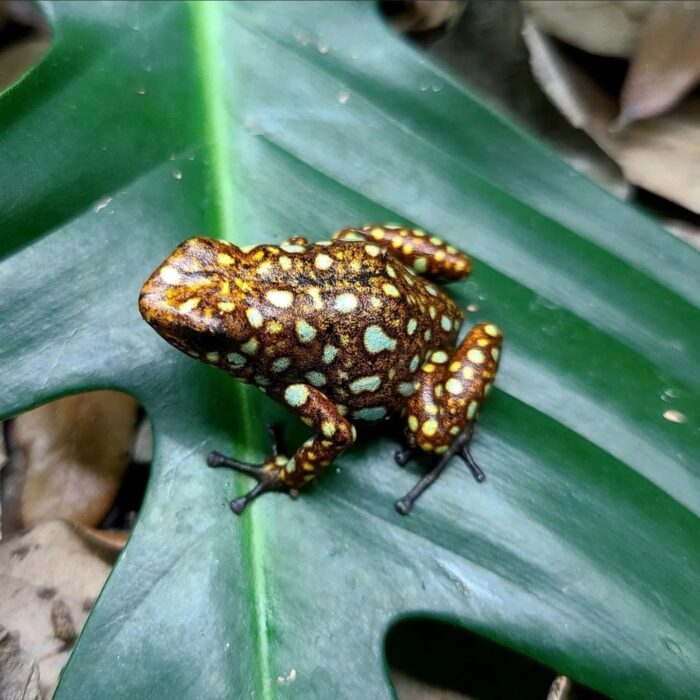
{"x": 341, "y": 331}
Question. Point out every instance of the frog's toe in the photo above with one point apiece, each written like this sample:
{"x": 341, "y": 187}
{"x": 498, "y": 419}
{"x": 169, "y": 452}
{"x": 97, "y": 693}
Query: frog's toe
{"x": 268, "y": 474}
{"x": 404, "y": 455}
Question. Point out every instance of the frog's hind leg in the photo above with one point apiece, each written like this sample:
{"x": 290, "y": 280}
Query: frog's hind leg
{"x": 425, "y": 254}
{"x": 443, "y": 412}
{"x": 279, "y": 473}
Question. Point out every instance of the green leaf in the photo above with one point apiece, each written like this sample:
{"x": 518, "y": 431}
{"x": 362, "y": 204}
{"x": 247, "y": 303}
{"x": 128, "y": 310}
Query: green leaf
{"x": 148, "y": 123}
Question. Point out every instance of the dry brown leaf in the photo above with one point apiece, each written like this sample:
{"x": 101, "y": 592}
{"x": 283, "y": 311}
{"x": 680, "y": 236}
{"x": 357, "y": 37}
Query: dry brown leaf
{"x": 51, "y": 576}
{"x": 19, "y": 676}
{"x": 603, "y": 27}
{"x": 661, "y": 155}
{"x": 424, "y": 15}
{"x": 666, "y": 63}
{"x": 67, "y": 459}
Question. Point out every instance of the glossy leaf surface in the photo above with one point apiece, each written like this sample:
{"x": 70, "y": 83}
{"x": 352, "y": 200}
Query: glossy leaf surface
{"x": 148, "y": 123}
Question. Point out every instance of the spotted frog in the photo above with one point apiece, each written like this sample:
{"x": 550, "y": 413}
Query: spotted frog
{"x": 338, "y": 331}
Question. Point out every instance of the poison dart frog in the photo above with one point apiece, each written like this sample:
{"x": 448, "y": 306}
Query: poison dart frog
{"x": 338, "y": 331}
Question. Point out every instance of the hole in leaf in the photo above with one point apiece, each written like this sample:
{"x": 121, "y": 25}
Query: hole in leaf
{"x": 71, "y": 485}
{"x": 25, "y": 38}
{"x": 431, "y": 659}
{"x": 83, "y": 459}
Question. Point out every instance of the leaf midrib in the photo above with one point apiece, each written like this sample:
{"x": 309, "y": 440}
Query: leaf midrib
{"x": 206, "y": 20}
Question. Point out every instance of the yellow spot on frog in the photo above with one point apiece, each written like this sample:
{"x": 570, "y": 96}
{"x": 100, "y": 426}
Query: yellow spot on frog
{"x": 453, "y": 386}
{"x": 265, "y": 268}
{"x": 390, "y": 290}
{"x": 189, "y": 305}
{"x": 430, "y": 427}
{"x": 169, "y": 275}
{"x": 328, "y": 428}
{"x": 323, "y": 261}
{"x": 285, "y": 262}
{"x": 226, "y": 306}
{"x": 315, "y": 295}
{"x": 413, "y": 423}
{"x": 280, "y": 298}
{"x": 345, "y": 303}
{"x": 224, "y": 259}
{"x": 476, "y": 356}
{"x": 492, "y": 330}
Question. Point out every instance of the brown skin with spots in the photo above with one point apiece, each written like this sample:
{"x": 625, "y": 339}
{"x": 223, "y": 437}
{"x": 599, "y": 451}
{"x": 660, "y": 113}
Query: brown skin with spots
{"x": 337, "y": 331}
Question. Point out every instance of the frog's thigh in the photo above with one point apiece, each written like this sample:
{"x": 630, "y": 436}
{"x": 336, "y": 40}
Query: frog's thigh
{"x": 333, "y": 433}
{"x": 426, "y": 254}
{"x": 453, "y": 388}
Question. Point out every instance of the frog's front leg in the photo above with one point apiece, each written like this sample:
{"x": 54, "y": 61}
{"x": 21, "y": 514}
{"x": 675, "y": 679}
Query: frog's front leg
{"x": 442, "y": 413}
{"x": 425, "y": 254}
{"x": 334, "y": 434}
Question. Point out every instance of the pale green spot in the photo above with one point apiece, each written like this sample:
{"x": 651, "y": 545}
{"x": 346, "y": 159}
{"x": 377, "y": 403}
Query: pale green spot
{"x": 365, "y": 384}
{"x": 296, "y": 395}
{"x": 345, "y": 303}
{"x": 254, "y": 317}
{"x": 250, "y": 347}
{"x": 428, "y": 334}
{"x": 350, "y": 236}
{"x": 495, "y": 353}
{"x": 329, "y": 353}
{"x": 291, "y": 466}
{"x": 406, "y": 389}
{"x": 439, "y": 357}
{"x": 415, "y": 361}
{"x": 261, "y": 381}
{"x": 471, "y": 410}
{"x": 431, "y": 290}
{"x": 280, "y": 364}
{"x": 305, "y": 331}
{"x": 375, "y": 413}
{"x": 420, "y": 264}
{"x": 446, "y": 323}
{"x": 235, "y": 360}
{"x": 212, "y": 357}
{"x": 453, "y": 386}
{"x": 377, "y": 340}
{"x": 316, "y": 378}
{"x": 411, "y": 326}
{"x": 293, "y": 248}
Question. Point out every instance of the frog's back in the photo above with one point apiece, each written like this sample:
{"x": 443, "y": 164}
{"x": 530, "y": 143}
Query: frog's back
{"x": 347, "y": 318}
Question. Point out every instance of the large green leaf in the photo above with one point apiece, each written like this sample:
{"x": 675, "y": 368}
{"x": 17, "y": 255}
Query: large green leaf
{"x": 256, "y": 121}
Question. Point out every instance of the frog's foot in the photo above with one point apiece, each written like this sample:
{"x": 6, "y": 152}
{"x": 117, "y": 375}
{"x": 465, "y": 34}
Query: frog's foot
{"x": 268, "y": 474}
{"x": 404, "y": 455}
{"x": 460, "y": 446}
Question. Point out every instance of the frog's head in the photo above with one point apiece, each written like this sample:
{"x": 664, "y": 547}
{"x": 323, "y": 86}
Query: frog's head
{"x": 196, "y": 298}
